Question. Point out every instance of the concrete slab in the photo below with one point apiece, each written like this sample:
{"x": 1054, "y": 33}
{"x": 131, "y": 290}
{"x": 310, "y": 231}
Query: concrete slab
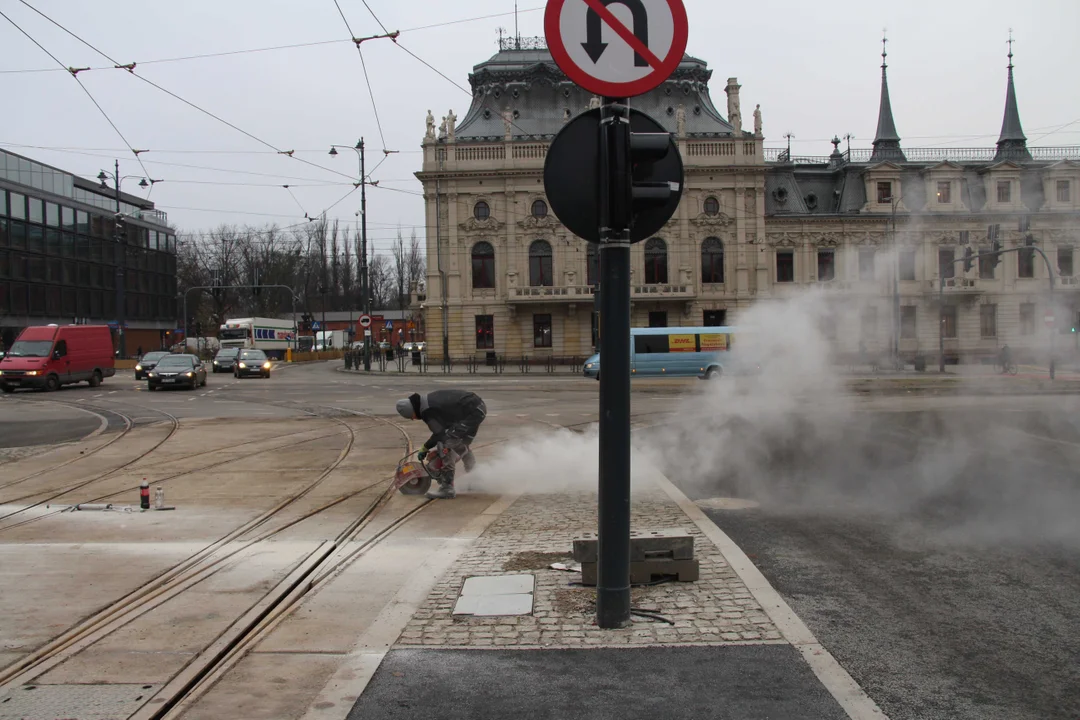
{"x": 498, "y": 585}
{"x": 675, "y": 683}
{"x": 494, "y": 605}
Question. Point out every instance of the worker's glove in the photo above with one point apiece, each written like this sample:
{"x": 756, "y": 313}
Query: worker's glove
{"x": 422, "y": 453}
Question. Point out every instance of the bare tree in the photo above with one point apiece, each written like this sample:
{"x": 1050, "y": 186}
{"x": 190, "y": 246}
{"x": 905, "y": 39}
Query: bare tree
{"x": 409, "y": 266}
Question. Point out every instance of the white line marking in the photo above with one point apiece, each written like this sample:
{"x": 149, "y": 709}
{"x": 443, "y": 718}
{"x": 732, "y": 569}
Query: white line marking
{"x": 99, "y": 395}
{"x": 552, "y": 414}
{"x": 112, "y": 392}
{"x": 832, "y": 675}
{"x": 364, "y": 658}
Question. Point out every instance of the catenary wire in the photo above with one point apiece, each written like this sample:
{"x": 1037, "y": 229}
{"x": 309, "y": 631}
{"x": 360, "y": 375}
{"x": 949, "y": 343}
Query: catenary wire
{"x": 131, "y": 70}
{"x": 75, "y": 77}
{"x": 367, "y": 80}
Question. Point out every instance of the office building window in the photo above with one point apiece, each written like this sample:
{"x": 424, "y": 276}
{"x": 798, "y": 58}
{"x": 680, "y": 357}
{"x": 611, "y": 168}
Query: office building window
{"x": 539, "y": 209}
{"x": 907, "y": 322}
{"x": 656, "y": 262}
{"x": 944, "y": 192}
{"x": 884, "y": 192}
{"x": 986, "y": 268}
{"x": 540, "y": 269}
{"x": 946, "y": 266}
{"x": 785, "y": 266}
{"x": 712, "y": 206}
{"x": 1065, "y": 261}
{"x": 712, "y": 261}
{"x": 481, "y": 211}
{"x": 988, "y": 321}
{"x": 36, "y": 213}
{"x": 592, "y": 264}
{"x": 1063, "y": 191}
{"x": 866, "y": 264}
{"x": 18, "y": 212}
{"x": 1004, "y": 191}
{"x": 1025, "y": 263}
{"x": 826, "y": 265}
{"x": 658, "y": 318}
{"x": 542, "y": 331}
{"x": 52, "y": 215}
{"x": 714, "y": 318}
{"x": 483, "y": 265}
{"x": 948, "y": 321}
{"x": 1027, "y": 318}
{"x": 907, "y": 265}
{"x": 485, "y": 332}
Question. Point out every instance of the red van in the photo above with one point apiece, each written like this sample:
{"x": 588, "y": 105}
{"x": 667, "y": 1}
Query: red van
{"x": 51, "y": 356}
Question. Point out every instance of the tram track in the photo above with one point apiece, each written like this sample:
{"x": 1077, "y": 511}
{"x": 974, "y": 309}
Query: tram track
{"x": 321, "y": 565}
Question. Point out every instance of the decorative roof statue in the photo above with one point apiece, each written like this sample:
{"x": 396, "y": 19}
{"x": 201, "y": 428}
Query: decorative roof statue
{"x": 508, "y": 121}
{"x": 442, "y": 127}
{"x": 451, "y": 122}
{"x": 430, "y": 134}
{"x": 757, "y": 120}
{"x": 680, "y": 121}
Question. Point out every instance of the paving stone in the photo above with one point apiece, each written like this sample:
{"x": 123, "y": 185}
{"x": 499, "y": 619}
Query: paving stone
{"x": 717, "y": 609}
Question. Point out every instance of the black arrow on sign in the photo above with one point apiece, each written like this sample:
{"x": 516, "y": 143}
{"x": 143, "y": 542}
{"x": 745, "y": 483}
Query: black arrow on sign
{"x": 595, "y": 48}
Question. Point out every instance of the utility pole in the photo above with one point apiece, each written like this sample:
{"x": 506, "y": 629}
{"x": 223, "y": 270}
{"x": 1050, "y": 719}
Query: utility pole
{"x": 365, "y": 282}
{"x": 120, "y": 244}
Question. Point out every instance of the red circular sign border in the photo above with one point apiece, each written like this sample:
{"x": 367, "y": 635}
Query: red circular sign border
{"x": 602, "y": 87}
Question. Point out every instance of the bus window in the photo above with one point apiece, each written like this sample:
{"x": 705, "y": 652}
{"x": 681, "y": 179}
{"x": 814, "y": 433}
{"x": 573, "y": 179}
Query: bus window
{"x": 650, "y": 344}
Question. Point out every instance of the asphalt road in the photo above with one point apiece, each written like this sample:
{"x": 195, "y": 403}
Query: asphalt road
{"x": 935, "y": 554}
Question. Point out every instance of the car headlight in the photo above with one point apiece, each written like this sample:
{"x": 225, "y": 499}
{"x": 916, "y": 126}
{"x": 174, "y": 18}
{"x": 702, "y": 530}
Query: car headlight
{"x": 588, "y": 366}
{"x": 190, "y": 374}
{"x": 152, "y": 374}
{"x": 32, "y": 372}
{"x": 138, "y": 367}
{"x": 242, "y": 366}
{"x": 266, "y": 365}
{"x": 215, "y": 362}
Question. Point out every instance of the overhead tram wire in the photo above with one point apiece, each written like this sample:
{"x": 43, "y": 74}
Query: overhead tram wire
{"x": 131, "y": 69}
{"x": 357, "y": 41}
{"x": 316, "y": 43}
{"x": 75, "y": 76}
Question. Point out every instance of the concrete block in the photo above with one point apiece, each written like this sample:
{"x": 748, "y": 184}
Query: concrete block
{"x": 666, "y": 544}
{"x": 647, "y": 571}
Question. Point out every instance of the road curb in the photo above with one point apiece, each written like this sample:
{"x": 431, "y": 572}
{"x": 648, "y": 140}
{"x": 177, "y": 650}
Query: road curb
{"x": 851, "y": 697}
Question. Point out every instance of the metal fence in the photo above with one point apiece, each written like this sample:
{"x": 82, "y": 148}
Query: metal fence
{"x": 491, "y": 364}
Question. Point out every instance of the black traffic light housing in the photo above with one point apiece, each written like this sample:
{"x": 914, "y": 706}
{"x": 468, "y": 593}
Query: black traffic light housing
{"x": 968, "y": 254}
{"x": 995, "y": 247}
{"x": 648, "y": 188}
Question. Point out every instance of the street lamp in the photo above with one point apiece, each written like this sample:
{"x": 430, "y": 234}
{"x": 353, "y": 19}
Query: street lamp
{"x": 894, "y": 201}
{"x": 364, "y": 279}
{"x": 103, "y": 177}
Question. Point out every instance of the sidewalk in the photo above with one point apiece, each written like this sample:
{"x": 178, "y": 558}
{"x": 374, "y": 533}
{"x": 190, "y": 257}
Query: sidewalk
{"x": 728, "y": 646}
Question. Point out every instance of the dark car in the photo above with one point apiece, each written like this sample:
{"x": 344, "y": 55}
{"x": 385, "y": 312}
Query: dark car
{"x": 147, "y": 363}
{"x": 252, "y": 362}
{"x": 177, "y": 371}
{"x": 225, "y": 360}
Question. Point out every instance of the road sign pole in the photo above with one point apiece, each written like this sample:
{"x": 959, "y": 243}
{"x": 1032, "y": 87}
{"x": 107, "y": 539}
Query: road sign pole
{"x": 613, "y": 506}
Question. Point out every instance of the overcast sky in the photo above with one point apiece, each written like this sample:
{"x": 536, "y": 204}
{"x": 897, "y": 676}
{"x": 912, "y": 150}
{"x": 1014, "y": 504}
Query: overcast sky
{"x": 813, "y": 67}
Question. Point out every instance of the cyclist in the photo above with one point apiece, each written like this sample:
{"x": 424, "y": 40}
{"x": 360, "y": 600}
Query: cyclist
{"x": 454, "y": 417}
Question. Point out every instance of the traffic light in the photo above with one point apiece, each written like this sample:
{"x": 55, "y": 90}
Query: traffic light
{"x": 649, "y": 189}
{"x": 995, "y": 247}
{"x": 968, "y": 254}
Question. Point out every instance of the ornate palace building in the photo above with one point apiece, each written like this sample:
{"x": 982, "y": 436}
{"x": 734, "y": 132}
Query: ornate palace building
{"x": 876, "y": 230}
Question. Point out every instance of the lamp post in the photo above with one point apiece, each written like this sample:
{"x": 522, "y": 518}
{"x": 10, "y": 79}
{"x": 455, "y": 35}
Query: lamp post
{"x": 120, "y": 241}
{"x": 365, "y": 286}
{"x": 894, "y": 201}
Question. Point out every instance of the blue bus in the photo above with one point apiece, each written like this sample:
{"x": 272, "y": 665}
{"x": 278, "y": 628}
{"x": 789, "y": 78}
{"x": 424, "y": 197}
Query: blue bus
{"x": 674, "y": 352}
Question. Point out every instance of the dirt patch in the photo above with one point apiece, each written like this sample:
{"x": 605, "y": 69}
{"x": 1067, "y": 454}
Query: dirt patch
{"x": 534, "y": 560}
{"x": 574, "y": 601}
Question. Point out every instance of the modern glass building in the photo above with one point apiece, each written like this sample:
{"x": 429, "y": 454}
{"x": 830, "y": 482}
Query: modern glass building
{"x": 59, "y": 254}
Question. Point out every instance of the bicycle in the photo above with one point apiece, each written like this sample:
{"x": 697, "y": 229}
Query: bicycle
{"x": 1009, "y": 368}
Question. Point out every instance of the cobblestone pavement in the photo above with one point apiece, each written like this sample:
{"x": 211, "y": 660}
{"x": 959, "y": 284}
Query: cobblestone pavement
{"x": 538, "y": 530}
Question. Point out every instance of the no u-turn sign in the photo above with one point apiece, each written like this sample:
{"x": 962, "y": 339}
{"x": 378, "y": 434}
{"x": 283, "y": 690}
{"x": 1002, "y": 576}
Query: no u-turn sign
{"x": 616, "y": 48}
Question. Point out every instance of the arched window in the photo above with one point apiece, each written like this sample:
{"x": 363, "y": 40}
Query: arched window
{"x": 539, "y": 209}
{"x": 592, "y": 267}
{"x": 712, "y": 261}
{"x": 655, "y": 262}
{"x": 481, "y": 211}
{"x": 540, "y": 270}
{"x": 483, "y": 265}
{"x": 712, "y": 206}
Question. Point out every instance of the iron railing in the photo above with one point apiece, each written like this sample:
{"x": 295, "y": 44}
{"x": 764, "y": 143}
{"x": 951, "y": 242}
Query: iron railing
{"x": 983, "y": 154}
